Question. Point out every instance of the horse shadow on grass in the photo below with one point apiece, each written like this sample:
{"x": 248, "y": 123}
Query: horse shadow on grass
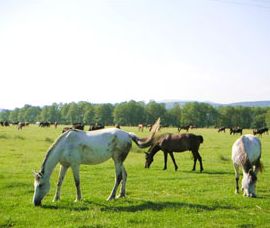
{"x": 159, "y": 206}
{"x": 213, "y": 172}
{"x": 136, "y": 206}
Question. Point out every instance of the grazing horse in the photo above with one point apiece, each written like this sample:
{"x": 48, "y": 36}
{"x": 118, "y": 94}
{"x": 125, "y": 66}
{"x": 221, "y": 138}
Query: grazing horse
{"x": 236, "y": 130}
{"x": 76, "y": 147}
{"x": 170, "y": 143}
{"x": 117, "y": 126}
{"x": 78, "y": 126}
{"x": 186, "y": 127}
{"x": 44, "y": 124}
{"x": 246, "y": 153}
{"x": 260, "y": 131}
{"x": 140, "y": 127}
{"x": 96, "y": 126}
{"x": 222, "y": 129}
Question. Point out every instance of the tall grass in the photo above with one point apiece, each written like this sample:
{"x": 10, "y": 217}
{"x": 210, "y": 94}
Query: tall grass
{"x": 155, "y": 198}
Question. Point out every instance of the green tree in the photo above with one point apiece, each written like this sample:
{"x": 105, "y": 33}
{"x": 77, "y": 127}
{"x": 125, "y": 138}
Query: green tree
{"x": 267, "y": 118}
{"x": 89, "y": 115}
{"x": 129, "y": 113}
{"x": 14, "y": 115}
{"x": 174, "y": 115}
{"x": 155, "y": 110}
{"x": 4, "y": 115}
{"x": 73, "y": 114}
{"x": 103, "y": 114}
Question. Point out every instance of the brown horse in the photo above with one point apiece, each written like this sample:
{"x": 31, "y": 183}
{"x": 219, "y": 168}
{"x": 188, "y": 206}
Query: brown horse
{"x": 170, "y": 143}
{"x": 140, "y": 127}
{"x": 186, "y": 127}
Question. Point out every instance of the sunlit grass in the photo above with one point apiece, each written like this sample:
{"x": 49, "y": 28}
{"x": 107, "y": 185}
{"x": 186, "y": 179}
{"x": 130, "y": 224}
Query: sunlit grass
{"x": 155, "y": 198}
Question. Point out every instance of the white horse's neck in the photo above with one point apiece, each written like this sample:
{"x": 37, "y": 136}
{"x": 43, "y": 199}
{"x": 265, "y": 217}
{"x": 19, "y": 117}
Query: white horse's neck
{"x": 51, "y": 160}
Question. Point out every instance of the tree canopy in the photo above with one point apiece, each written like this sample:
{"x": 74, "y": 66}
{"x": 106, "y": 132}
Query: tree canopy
{"x": 132, "y": 113}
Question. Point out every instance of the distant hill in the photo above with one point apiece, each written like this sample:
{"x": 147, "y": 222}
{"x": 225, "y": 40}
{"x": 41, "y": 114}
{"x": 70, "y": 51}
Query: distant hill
{"x": 169, "y": 104}
{"x": 251, "y": 104}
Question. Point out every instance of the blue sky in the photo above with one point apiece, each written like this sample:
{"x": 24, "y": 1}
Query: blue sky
{"x": 115, "y": 51}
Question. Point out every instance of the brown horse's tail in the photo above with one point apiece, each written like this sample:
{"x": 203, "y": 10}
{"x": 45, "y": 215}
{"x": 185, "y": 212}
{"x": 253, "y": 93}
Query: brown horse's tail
{"x": 146, "y": 142}
{"x": 201, "y": 139}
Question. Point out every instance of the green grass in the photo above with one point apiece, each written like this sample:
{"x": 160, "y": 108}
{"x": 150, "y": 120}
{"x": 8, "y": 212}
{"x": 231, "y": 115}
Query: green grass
{"x": 155, "y": 198}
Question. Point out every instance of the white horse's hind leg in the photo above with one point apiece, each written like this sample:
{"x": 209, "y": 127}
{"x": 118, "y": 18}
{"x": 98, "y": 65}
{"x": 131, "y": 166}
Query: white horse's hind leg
{"x": 62, "y": 173}
{"x": 76, "y": 175}
{"x": 124, "y": 180}
{"x": 118, "y": 178}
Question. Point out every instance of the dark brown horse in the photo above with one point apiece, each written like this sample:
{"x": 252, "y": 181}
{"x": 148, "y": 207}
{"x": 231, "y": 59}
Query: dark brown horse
{"x": 186, "y": 127}
{"x": 170, "y": 143}
{"x": 260, "y": 131}
{"x": 222, "y": 129}
{"x": 236, "y": 130}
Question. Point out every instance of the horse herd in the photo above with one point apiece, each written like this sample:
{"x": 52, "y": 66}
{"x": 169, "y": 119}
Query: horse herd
{"x": 238, "y": 130}
{"x": 74, "y": 147}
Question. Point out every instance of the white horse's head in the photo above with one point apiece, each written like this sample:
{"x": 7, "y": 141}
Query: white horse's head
{"x": 249, "y": 183}
{"x": 41, "y": 186}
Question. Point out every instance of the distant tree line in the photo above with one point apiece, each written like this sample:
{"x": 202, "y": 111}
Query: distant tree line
{"x": 132, "y": 113}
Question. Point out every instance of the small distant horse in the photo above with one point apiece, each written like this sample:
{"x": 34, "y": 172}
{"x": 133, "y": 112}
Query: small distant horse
{"x": 96, "y": 126}
{"x": 78, "y": 126}
{"x": 260, "y": 131}
{"x": 186, "y": 127}
{"x": 170, "y": 143}
{"x": 222, "y": 129}
{"x": 246, "y": 153}
{"x": 21, "y": 125}
{"x": 117, "y": 126}
{"x": 75, "y": 147}
{"x": 140, "y": 127}
{"x": 44, "y": 124}
{"x": 236, "y": 130}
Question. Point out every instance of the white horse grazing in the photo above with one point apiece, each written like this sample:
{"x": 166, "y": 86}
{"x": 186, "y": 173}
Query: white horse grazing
{"x": 246, "y": 153}
{"x": 76, "y": 147}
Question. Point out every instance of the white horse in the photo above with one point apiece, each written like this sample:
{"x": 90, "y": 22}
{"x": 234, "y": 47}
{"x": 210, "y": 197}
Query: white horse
{"x": 76, "y": 147}
{"x": 246, "y": 153}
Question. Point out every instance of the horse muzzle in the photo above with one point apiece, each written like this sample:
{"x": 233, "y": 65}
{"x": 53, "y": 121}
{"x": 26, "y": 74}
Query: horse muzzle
{"x": 147, "y": 165}
{"x": 37, "y": 203}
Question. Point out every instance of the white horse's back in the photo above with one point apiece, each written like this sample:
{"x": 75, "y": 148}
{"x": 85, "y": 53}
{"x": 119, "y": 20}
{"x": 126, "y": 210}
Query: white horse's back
{"x": 248, "y": 146}
{"x": 94, "y": 147}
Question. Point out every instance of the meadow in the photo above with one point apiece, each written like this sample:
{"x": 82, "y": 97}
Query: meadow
{"x": 155, "y": 198}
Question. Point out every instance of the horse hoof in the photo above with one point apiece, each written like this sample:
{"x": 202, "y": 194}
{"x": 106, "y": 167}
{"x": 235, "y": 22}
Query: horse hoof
{"x": 110, "y": 198}
{"x": 121, "y": 196}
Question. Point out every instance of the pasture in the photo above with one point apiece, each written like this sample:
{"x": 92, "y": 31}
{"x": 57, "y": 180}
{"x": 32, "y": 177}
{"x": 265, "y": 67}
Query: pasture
{"x": 155, "y": 198}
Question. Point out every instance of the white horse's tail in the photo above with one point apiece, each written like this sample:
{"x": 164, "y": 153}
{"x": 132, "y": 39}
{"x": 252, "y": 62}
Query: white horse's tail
{"x": 146, "y": 142}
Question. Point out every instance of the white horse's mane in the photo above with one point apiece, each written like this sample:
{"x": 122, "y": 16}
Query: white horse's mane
{"x": 51, "y": 148}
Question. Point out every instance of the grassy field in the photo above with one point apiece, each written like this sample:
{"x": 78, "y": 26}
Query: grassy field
{"x": 155, "y": 198}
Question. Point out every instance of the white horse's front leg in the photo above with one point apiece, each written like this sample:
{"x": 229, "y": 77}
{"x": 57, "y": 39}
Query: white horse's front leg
{"x": 76, "y": 175}
{"x": 62, "y": 173}
{"x": 236, "y": 169}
